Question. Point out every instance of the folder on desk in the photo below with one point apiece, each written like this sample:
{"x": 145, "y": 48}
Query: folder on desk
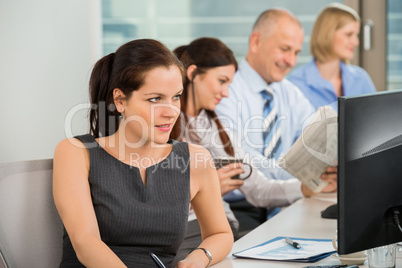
{"x": 311, "y": 250}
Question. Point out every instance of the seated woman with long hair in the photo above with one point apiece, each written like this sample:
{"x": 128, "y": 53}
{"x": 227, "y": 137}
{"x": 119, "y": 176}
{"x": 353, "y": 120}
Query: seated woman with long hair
{"x": 210, "y": 67}
{"x": 123, "y": 191}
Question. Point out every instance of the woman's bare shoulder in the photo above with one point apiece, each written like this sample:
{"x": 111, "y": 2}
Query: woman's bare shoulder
{"x": 200, "y": 158}
{"x": 71, "y": 149}
{"x": 197, "y": 151}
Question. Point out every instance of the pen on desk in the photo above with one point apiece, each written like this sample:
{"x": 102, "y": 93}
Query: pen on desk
{"x": 157, "y": 260}
{"x": 293, "y": 243}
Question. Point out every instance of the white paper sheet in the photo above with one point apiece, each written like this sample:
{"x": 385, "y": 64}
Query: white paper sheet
{"x": 282, "y": 251}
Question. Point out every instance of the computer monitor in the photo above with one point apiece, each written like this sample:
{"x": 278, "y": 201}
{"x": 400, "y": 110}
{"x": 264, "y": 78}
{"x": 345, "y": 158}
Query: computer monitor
{"x": 369, "y": 170}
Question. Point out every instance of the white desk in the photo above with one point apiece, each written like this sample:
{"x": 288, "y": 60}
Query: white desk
{"x": 301, "y": 219}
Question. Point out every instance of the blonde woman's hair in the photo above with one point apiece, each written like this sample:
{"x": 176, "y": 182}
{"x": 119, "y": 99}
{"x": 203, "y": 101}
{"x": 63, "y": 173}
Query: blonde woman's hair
{"x": 331, "y": 18}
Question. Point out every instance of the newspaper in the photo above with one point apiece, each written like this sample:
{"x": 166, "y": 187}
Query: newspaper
{"x": 315, "y": 149}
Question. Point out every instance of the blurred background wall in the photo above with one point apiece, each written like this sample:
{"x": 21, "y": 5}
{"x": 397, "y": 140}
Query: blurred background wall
{"x": 47, "y": 49}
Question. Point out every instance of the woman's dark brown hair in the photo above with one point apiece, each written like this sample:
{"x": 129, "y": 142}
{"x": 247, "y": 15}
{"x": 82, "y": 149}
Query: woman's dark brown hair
{"x": 205, "y": 53}
{"x": 125, "y": 69}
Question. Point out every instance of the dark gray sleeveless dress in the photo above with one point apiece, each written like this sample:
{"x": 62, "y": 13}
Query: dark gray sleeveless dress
{"x": 135, "y": 219}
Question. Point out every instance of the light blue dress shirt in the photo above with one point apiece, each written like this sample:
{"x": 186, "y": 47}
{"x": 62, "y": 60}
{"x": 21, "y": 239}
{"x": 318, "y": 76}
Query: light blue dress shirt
{"x": 320, "y": 92}
{"x": 242, "y": 114}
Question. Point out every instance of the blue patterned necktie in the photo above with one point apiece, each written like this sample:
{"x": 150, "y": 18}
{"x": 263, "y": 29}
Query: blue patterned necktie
{"x": 272, "y": 130}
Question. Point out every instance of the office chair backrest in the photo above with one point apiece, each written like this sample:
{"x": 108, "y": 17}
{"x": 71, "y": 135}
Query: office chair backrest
{"x": 30, "y": 228}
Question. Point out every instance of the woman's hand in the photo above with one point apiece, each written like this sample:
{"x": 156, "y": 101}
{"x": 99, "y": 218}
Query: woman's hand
{"x": 225, "y": 175}
{"x": 189, "y": 264}
{"x": 196, "y": 259}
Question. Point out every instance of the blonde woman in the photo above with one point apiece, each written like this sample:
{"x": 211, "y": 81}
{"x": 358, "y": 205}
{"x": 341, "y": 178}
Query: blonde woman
{"x": 329, "y": 75}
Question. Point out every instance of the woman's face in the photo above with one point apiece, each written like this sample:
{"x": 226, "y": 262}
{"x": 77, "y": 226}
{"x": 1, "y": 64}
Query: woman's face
{"x": 212, "y": 86}
{"x": 150, "y": 112}
{"x": 346, "y": 39}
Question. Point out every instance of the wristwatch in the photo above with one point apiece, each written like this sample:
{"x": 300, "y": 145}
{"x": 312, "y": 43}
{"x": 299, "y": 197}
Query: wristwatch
{"x": 206, "y": 251}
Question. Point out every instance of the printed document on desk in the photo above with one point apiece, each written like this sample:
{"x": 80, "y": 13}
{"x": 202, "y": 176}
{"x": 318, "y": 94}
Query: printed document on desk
{"x": 277, "y": 249}
{"x": 315, "y": 149}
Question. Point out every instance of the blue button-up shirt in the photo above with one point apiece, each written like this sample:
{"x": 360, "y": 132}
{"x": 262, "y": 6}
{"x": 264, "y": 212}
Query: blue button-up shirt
{"x": 320, "y": 92}
{"x": 242, "y": 113}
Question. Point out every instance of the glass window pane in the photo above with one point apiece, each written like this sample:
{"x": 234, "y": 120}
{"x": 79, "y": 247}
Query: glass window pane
{"x": 394, "y": 44}
{"x": 177, "y": 22}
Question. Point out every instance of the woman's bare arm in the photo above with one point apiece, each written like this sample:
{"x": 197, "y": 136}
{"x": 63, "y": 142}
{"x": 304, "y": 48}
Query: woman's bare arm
{"x": 73, "y": 201}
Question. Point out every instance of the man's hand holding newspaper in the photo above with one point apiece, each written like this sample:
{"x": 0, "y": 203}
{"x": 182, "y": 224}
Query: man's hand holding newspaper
{"x": 315, "y": 151}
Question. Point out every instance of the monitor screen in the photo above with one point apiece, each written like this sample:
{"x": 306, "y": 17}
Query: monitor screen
{"x": 369, "y": 170}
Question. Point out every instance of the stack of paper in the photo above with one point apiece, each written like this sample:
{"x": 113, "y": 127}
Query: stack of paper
{"x": 311, "y": 250}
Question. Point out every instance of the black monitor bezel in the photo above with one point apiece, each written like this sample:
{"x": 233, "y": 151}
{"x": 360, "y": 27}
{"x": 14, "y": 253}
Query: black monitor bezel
{"x": 364, "y": 201}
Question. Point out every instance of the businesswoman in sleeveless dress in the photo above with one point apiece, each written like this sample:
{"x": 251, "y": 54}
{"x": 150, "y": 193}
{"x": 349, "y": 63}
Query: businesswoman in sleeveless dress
{"x": 329, "y": 75}
{"x": 123, "y": 192}
{"x": 210, "y": 67}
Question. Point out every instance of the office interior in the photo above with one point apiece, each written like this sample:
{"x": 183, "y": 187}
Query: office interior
{"x": 48, "y": 49}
